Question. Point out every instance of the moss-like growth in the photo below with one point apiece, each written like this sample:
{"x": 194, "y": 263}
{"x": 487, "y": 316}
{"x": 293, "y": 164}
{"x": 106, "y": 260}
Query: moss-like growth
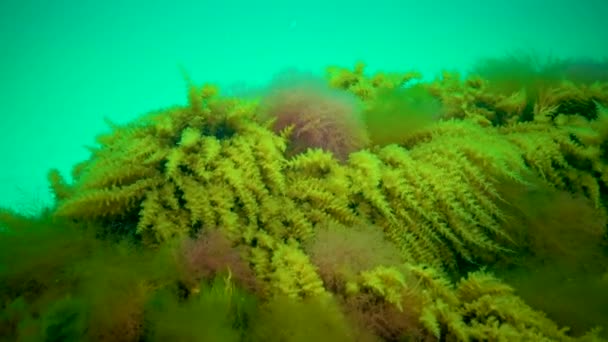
{"x": 395, "y": 113}
{"x": 219, "y": 312}
{"x": 283, "y": 319}
{"x": 560, "y": 264}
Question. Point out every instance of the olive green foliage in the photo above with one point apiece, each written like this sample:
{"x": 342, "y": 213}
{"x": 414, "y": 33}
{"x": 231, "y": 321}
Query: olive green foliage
{"x": 36, "y": 274}
{"x": 586, "y": 70}
{"x": 60, "y": 283}
{"x": 63, "y": 321}
{"x": 575, "y": 298}
{"x": 519, "y": 71}
{"x": 552, "y": 224}
{"x": 532, "y": 72}
{"x": 115, "y": 283}
{"x": 395, "y": 113}
{"x": 560, "y": 266}
{"x": 219, "y": 312}
{"x": 36, "y": 257}
{"x": 320, "y": 319}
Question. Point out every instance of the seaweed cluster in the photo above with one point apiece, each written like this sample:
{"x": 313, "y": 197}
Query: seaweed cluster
{"x": 362, "y": 207}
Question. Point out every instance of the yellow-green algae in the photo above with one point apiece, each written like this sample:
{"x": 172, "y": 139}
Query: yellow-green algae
{"x": 405, "y": 236}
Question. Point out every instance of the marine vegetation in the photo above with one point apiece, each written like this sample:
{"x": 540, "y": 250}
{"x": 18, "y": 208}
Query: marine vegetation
{"x": 352, "y": 208}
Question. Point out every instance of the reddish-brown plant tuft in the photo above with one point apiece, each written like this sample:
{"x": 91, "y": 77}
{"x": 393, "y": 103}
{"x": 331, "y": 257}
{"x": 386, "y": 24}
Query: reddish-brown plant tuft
{"x": 386, "y": 320}
{"x": 340, "y": 253}
{"x": 211, "y": 254}
{"x": 321, "y": 117}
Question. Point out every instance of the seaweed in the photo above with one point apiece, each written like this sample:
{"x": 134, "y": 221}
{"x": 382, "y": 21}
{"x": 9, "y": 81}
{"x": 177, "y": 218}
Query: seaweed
{"x": 222, "y": 219}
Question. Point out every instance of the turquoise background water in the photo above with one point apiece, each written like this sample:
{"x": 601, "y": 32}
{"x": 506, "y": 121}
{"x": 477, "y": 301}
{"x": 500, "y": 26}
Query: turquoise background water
{"x": 65, "y": 65}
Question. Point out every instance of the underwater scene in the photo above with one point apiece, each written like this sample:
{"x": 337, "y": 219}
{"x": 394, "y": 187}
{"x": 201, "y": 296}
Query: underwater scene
{"x": 198, "y": 171}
